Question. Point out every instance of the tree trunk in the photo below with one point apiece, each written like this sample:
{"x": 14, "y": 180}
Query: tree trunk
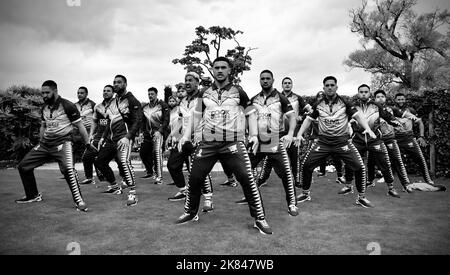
{"x": 432, "y": 145}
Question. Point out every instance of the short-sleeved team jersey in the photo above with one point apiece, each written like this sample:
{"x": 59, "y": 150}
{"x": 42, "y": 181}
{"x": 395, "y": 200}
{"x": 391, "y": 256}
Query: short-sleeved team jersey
{"x": 125, "y": 118}
{"x": 86, "y": 110}
{"x": 298, "y": 105}
{"x": 223, "y": 111}
{"x": 155, "y": 117}
{"x": 373, "y": 113}
{"x": 333, "y": 117}
{"x": 270, "y": 111}
{"x": 406, "y": 128}
{"x": 58, "y": 119}
{"x": 100, "y": 118}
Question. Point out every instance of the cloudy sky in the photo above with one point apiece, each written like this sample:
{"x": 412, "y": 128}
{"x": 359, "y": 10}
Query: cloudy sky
{"x": 87, "y": 45}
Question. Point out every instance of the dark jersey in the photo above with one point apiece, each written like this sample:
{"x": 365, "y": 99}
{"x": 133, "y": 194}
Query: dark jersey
{"x": 101, "y": 118}
{"x": 405, "y": 130}
{"x": 125, "y": 118}
{"x": 333, "y": 117}
{"x": 223, "y": 111}
{"x": 86, "y": 110}
{"x": 58, "y": 119}
{"x": 156, "y": 117}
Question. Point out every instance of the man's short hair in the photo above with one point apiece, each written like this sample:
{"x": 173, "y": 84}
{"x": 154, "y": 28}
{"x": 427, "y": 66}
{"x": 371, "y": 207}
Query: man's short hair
{"x": 399, "y": 94}
{"x": 223, "y": 58}
{"x": 266, "y": 71}
{"x": 50, "y": 83}
{"x": 287, "y": 77}
{"x": 109, "y": 86}
{"x": 121, "y": 76}
{"x": 364, "y": 85}
{"x": 84, "y": 88}
{"x": 379, "y": 92}
{"x": 329, "y": 78}
{"x": 153, "y": 89}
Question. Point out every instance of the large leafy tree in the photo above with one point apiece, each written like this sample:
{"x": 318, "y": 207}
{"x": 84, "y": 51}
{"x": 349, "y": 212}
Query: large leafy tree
{"x": 400, "y": 47}
{"x": 209, "y": 44}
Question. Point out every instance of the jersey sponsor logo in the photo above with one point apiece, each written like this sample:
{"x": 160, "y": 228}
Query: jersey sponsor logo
{"x": 317, "y": 149}
{"x": 52, "y": 124}
{"x": 410, "y": 145}
{"x": 377, "y": 147}
{"x": 60, "y": 147}
{"x": 331, "y": 122}
{"x": 345, "y": 148}
{"x": 265, "y": 116}
{"x": 199, "y": 154}
{"x": 219, "y": 114}
{"x": 103, "y": 122}
{"x": 390, "y": 146}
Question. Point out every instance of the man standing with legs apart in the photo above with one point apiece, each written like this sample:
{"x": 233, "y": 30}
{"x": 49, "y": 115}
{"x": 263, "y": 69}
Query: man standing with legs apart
{"x": 388, "y": 136}
{"x": 86, "y": 108}
{"x": 156, "y": 121}
{"x": 333, "y": 113}
{"x": 58, "y": 117}
{"x": 372, "y": 112}
{"x": 124, "y": 117}
{"x": 180, "y": 155}
{"x": 405, "y": 137}
{"x": 222, "y": 111}
{"x": 271, "y": 107}
{"x": 299, "y": 106}
{"x": 99, "y": 125}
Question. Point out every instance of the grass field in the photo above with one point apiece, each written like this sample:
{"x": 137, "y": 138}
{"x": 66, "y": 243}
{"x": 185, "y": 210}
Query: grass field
{"x": 417, "y": 223}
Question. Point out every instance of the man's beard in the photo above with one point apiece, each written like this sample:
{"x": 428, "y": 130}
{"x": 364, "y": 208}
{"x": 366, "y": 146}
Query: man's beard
{"x": 49, "y": 100}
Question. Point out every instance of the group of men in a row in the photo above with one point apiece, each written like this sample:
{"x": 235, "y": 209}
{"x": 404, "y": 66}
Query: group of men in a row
{"x": 221, "y": 123}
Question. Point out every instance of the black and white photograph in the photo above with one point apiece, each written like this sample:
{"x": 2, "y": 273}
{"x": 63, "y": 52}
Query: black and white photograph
{"x": 224, "y": 134}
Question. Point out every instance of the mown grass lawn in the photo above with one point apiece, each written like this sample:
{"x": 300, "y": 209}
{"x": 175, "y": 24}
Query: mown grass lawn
{"x": 417, "y": 223}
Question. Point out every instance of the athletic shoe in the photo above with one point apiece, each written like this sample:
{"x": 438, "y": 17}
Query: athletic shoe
{"x": 24, "y": 200}
{"x": 147, "y": 176}
{"x": 303, "y": 197}
{"x": 364, "y": 202}
{"x": 230, "y": 183}
{"x": 341, "y": 180}
{"x": 407, "y": 188}
{"x": 158, "y": 181}
{"x": 242, "y": 201}
{"x": 208, "y": 206}
{"x": 87, "y": 181}
{"x": 82, "y": 207}
{"x": 371, "y": 184}
{"x": 113, "y": 189}
{"x": 346, "y": 190}
{"x": 186, "y": 218}
{"x": 132, "y": 199}
{"x": 179, "y": 196}
{"x": 263, "y": 227}
{"x": 293, "y": 210}
{"x": 393, "y": 193}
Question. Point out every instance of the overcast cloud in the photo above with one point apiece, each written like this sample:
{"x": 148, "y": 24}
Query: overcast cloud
{"x": 89, "y": 44}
